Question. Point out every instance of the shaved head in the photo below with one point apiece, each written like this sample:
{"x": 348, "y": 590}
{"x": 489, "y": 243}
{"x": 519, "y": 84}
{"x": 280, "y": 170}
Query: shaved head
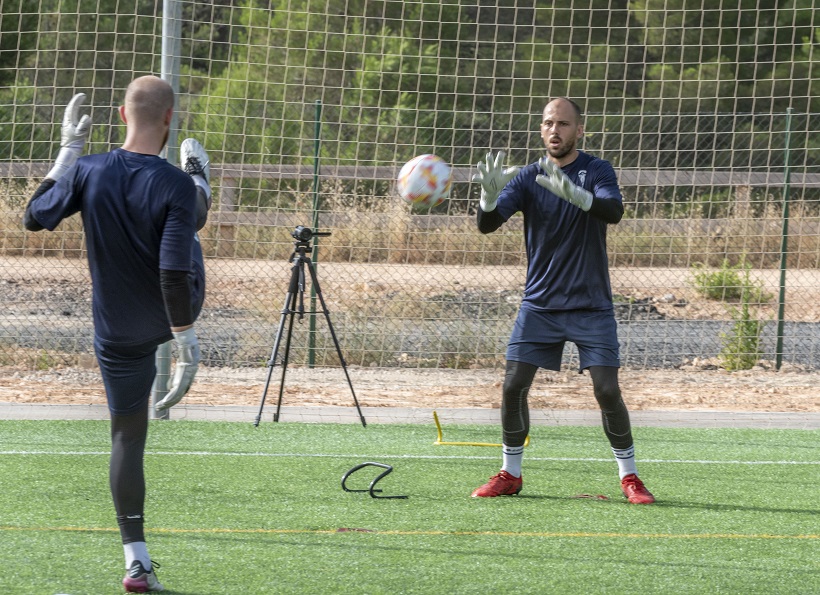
{"x": 562, "y": 127}
{"x": 148, "y": 99}
{"x": 567, "y": 102}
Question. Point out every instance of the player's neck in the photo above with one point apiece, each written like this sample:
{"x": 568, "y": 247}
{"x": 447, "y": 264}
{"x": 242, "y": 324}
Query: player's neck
{"x": 566, "y": 159}
{"x": 144, "y": 142}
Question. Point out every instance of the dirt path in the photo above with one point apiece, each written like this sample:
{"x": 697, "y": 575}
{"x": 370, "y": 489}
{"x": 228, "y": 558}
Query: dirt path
{"x": 696, "y": 388}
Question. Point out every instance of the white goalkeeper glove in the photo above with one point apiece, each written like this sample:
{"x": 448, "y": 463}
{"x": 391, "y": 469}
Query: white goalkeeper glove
{"x": 560, "y": 185}
{"x": 493, "y": 177}
{"x": 184, "y": 371}
{"x": 73, "y": 134}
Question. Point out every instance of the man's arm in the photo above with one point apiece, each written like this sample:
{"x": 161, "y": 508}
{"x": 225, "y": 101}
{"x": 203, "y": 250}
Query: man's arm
{"x": 554, "y": 180}
{"x": 488, "y": 222}
{"x": 74, "y": 132}
{"x": 607, "y": 209}
{"x": 176, "y": 293}
{"x": 29, "y": 222}
{"x": 493, "y": 176}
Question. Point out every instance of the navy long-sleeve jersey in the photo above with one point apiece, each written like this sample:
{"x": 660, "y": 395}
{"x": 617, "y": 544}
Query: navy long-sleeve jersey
{"x": 567, "y": 265}
{"x": 138, "y": 215}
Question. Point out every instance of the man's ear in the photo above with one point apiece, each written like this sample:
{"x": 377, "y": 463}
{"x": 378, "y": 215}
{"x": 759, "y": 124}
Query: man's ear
{"x": 169, "y": 116}
{"x": 122, "y": 114}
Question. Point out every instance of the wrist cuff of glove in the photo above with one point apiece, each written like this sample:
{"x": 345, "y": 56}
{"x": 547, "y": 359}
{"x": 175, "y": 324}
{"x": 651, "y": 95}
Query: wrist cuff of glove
{"x": 488, "y": 201}
{"x": 584, "y": 199}
{"x": 186, "y": 337}
{"x": 65, "y": 159}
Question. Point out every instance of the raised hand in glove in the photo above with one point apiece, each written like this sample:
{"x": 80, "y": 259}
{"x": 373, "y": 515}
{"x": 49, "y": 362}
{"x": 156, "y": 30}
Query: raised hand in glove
{"x": 493, "y": 177}
{"x": 184, "y": 371}
{"x": 73, "y": 134}
{"x": 560, "y": 185}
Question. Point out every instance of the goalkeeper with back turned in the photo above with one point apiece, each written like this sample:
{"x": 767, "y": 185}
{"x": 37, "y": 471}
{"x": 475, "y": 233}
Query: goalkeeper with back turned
{"x": 567, "y": 199}
{"x": 140, "y": 216}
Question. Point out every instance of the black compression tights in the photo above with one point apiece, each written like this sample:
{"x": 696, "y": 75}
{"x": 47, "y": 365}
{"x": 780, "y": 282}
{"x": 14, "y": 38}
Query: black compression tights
{"x": 515, "y": 415}
{"x": 125, "y": 472}
{"x": 614, "y": 414}
{"x": 515, "y": 419}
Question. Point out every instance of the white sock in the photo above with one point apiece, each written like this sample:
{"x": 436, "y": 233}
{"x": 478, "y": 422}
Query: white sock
{"x": 136, "y": 550}
{"x": 626, "y": 461}
{"x": 513, "y": 455}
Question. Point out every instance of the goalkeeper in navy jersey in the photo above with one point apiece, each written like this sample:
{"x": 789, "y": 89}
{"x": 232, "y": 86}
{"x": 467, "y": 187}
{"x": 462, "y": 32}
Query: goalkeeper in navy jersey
{"x": 140, "y": 217}
{"x": 567, "y": 199}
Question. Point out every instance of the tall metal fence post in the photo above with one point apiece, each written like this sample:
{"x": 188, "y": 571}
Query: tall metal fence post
{"x": 317, "y": 131}
{"x": 784, "y": 241}
{"x": 171, "y": 31}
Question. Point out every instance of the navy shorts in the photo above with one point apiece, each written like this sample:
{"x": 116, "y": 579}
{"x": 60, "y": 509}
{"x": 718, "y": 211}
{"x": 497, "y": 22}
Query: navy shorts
{"x": 128, "y": 375}
{"x": 538, "y": 338}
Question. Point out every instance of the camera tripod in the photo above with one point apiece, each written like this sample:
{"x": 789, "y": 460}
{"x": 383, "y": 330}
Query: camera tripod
{"x": 295, "y": 304}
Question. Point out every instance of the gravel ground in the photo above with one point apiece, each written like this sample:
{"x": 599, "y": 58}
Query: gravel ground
{"x": 670, "y": 341}
{"x": 697, "y": 386}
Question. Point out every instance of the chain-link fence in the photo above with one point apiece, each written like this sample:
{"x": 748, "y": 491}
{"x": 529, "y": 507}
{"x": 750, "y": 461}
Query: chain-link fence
{"x": 702, "y": 264}
{"x": 307, "y": 121}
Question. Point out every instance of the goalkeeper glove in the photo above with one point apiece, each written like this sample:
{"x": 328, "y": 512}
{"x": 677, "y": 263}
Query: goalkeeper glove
{"x": 73, "y": 134}
{"x": 560, "y": 185}
{"x": 493, "y": 177}
{"x": 184, "y": 371}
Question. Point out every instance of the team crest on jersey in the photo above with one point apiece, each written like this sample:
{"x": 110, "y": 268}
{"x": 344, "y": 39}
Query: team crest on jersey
{"x": 582, "y": 176}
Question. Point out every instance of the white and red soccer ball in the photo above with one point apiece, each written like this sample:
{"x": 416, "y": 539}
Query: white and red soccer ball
{"x": 425, "y": 181}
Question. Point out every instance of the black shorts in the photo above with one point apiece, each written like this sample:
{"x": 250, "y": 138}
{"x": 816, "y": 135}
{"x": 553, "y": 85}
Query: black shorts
{"x": 538, "y": 338}
{"x": 128, "y": 375}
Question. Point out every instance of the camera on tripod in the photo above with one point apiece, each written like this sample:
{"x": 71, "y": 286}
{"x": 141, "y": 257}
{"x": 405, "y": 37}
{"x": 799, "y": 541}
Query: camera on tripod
{"x": 304, "y": 234}
{"x": 295, "y": 306}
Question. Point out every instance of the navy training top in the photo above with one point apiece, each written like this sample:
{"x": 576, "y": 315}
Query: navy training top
{"x": 567, "y": 265}
{"x": 138, "y": 215}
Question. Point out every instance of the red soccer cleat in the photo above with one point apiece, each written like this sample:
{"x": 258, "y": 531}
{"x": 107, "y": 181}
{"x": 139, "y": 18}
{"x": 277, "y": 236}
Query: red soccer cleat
{"x": 501, "y": 484}
{"x": 635, "y": 491}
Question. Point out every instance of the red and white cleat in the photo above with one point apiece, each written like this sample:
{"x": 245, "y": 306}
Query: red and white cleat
{"x": 635, "y": 491}
{"x": 501, "y": 484}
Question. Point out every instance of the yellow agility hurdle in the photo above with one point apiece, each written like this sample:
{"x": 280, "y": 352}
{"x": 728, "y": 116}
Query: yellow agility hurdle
{"x": 440, "y": 440}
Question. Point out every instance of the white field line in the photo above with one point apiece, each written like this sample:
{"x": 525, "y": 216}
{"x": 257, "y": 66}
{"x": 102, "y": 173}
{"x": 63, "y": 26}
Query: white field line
{"x": 204, "y": 453}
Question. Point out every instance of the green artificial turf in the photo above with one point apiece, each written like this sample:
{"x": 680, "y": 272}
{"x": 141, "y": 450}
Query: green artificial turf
{"x": 236, "y": 509}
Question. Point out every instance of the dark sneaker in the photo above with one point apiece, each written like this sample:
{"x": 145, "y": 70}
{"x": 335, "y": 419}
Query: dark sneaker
{"x": 501, "y": 484}
{"x": 635, "y": 491}
{"x": 139, "y": 580}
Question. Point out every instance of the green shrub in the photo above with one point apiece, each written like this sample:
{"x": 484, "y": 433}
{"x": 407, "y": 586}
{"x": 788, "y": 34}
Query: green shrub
{"x": 729, "y": 282}
{"x": 741, "y": 345}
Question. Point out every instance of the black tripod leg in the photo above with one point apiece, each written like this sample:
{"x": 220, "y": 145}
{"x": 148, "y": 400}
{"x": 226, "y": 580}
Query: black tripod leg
{"x": 272, "y": 361}
{"x": 288, "y": 310}
{"x": 326, "y": 312}
{"x": 285, "y": 359}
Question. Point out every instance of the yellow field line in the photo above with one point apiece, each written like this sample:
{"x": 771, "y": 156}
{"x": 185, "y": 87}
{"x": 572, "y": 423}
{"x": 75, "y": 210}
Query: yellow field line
{"x": 547, "y": 534}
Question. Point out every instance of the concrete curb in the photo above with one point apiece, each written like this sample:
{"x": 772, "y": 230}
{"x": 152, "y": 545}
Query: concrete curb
{"x": 406, "y": 415}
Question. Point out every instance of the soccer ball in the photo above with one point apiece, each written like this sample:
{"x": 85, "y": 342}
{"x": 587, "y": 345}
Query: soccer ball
{"x": 425, "y": 181}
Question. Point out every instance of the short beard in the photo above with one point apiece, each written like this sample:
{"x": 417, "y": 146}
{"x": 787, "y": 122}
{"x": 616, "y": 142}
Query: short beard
{"x": 561, "y": 150}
